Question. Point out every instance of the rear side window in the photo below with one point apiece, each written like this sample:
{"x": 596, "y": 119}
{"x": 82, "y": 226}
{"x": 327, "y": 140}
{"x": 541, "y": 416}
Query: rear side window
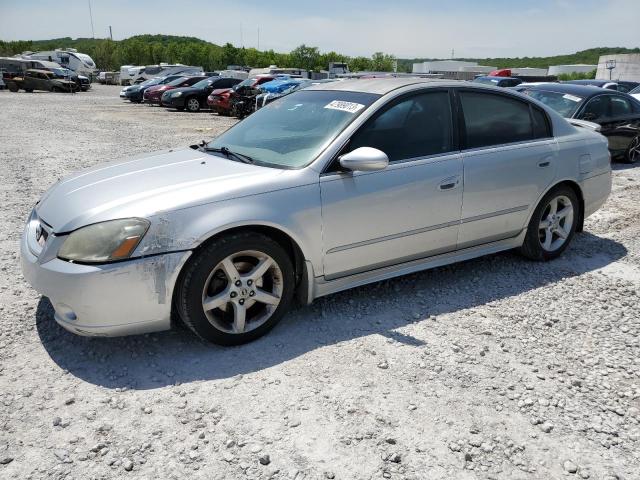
{"x": 412, "y": 127}
{"x": 541, "y": 127}
{"x": 495, "y": 119}
{"x": 620, "y": 106}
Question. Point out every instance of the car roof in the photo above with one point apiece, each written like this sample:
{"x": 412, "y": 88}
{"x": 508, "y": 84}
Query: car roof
{"x": 572, "y": 88}
{"x": 589, "y": 82}
{"x": 381, "y": 86}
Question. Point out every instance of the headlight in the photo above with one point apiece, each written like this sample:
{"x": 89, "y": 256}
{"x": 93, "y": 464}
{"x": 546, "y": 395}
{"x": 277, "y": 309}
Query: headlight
{"x": 103, "y": 242}
{"x": 177, "y": 94}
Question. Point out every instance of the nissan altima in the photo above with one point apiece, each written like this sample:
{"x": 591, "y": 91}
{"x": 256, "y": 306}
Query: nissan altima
{"x": 331, "y": 187}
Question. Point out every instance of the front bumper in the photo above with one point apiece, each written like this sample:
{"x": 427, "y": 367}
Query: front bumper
{"x": 172, "y": 102}
{"x": 122, "y": 298}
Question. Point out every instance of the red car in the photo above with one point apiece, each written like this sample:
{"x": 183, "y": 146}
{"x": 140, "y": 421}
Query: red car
{"x": 220, "y": 99}
{"x": 154, "y": 94}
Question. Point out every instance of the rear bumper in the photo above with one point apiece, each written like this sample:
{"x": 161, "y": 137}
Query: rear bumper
{"x": 122, "y": 298}
{"x": 595, "y": 190}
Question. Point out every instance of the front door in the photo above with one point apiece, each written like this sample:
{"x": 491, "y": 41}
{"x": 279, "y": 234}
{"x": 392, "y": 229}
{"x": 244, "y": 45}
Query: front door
{"x": 409, "y": 210}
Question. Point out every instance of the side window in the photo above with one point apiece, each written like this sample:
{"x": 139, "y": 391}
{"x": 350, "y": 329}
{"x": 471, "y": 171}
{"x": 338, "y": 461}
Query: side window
{"x": 192, "y": 81}
{"x": 596, "y": 109}
{"x": 541, "y": 128}
{"x": 492, "y": 119}
{"x": 620, "y": 107}
{"x": 413, "y": 127}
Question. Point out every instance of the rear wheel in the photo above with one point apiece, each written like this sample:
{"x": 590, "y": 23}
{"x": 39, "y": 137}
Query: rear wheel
{"x": 13, "y": 87}
{"x": 236, "y": 289}
{"x": 633, "y": 152}
{"x": 552, "y": 225}
{"x": 192, "y": 104}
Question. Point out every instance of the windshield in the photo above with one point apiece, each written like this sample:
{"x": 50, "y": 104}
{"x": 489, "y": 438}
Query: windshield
{"x": 293, "y": 131}
{"x": 245, "y": 83}
{"x": 635, "y": 90}
{"x": 205, "y": 83}
{"x": 563, "y": 103}
{"x": 177, "y": 82}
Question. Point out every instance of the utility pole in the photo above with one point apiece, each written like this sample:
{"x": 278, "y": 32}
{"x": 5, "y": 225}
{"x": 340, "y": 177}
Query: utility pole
{"x": 258, "y": 38}
{"x": 241, "y": 36}
{"x": 110, "y": 33}
{"x": 93, "y": 35}
{"x": 452, "y": 53}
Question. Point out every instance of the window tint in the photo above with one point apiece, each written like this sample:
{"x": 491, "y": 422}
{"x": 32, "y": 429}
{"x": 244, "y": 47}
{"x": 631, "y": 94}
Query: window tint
{"x": 192, "y": 81}
{"x": 620, "y": 106}
{"x": 596, "y": 109}
{"x": 413, "y": 127}
{"x": 495, "y": 119}
{"x": 540, "y": 123}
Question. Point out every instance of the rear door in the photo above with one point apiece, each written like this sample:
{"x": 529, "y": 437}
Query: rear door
{"x": 509, "y": 158}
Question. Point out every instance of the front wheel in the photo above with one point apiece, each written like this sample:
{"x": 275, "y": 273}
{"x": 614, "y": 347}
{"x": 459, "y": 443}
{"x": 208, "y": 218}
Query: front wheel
{"x": 552, "y": 225}
{"x": 192, "y": 104}
{"x": 236, "y": 289}
{"x": 633, "y": 152}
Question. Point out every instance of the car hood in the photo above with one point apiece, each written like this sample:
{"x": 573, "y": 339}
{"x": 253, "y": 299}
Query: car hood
{"x": 150, "y": 184}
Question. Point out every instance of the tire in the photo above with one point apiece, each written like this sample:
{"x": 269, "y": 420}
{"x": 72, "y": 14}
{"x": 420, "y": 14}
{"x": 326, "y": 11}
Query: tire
{"x": 13, "y": 87}
{"x": 550, "y": 232}
{"x": 192, "y": 104}
{"x": 236, "y": 315}
{"x": 28, "y": 90}
{"x": 632, "y": 154}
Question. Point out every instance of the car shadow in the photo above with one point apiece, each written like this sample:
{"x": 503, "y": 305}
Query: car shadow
{"x": 177, "y": 356}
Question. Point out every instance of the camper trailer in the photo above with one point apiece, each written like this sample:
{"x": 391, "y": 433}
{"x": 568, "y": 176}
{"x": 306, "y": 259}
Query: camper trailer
{"x": 129, "y": 74}
{"x": 80, "y": 63}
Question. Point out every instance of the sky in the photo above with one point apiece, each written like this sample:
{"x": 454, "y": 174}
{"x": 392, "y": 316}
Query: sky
{"x": 404, "y": 28}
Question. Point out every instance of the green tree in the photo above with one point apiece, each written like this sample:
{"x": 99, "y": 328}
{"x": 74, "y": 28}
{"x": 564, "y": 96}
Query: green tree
{"x": 304, "y": 57}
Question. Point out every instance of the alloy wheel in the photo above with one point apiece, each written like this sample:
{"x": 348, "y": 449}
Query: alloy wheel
{"x": 242, "y": 292}
{"x": 555, "y": 223}
{"x": 193, "y": 104}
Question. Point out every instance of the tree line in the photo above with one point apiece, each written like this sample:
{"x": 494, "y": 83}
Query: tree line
{"x": 153, "y": 49}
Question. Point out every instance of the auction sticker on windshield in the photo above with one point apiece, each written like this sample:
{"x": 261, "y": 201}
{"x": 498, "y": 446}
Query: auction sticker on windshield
{"x": 350, "y": 107}
{"x": 572, "y": 98}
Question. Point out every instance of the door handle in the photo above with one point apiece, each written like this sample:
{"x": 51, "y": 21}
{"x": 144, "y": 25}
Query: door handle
{"x": 545, "y": 162}
{"x": 449, "y": 183}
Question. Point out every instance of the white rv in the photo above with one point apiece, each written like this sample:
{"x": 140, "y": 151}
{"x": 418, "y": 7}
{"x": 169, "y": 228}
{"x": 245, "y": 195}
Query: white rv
{"x": 129, "y": 74}
{"x": 81, "y": 63}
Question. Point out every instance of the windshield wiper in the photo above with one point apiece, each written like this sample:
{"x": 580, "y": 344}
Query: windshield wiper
{"x": 231, "y": 154}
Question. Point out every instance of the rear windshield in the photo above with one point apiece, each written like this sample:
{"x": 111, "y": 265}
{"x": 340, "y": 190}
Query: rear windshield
{"x": 565, "y": 104}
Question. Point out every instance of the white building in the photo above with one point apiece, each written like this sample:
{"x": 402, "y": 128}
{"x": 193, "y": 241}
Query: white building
{"x": 454, "y": 69}
{"x": 568, "y": 69}
{"x": 528, "y": 72}
{"x": 627, "y": 67}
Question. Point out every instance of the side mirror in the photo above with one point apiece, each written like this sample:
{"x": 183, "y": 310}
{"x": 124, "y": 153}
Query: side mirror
{"x": 364, "y": 159}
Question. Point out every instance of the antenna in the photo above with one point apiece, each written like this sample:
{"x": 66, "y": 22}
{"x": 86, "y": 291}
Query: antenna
{"x": 91, "y": 17}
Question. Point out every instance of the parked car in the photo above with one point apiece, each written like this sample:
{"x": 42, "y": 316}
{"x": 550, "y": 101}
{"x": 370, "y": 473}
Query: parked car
{"x": 334, "y": 186}
{"x": 81, "y": 81}
{"x": 498, "y": 81}
{"x": 153, "y": 95}
{"x": 618, "y": 114}
{"x": 135, "y": 93}
{"x": 626, "y": 86}
{"x": 195, "y": 97}
{"x": 41, "y": 80}
{"x": 635, "y": 93}
{"x": 220, "y": 100}
{"x": 280, "y": 88}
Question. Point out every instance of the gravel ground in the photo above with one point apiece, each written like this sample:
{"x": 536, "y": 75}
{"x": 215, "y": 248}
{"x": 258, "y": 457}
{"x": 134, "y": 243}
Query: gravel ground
{"x": 496, "y": 368}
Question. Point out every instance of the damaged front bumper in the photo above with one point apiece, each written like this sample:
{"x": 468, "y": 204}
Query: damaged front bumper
{"x": 122, "y": 298}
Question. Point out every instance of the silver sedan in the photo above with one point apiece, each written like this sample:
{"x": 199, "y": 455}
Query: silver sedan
{"x": 331, "y": 187}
